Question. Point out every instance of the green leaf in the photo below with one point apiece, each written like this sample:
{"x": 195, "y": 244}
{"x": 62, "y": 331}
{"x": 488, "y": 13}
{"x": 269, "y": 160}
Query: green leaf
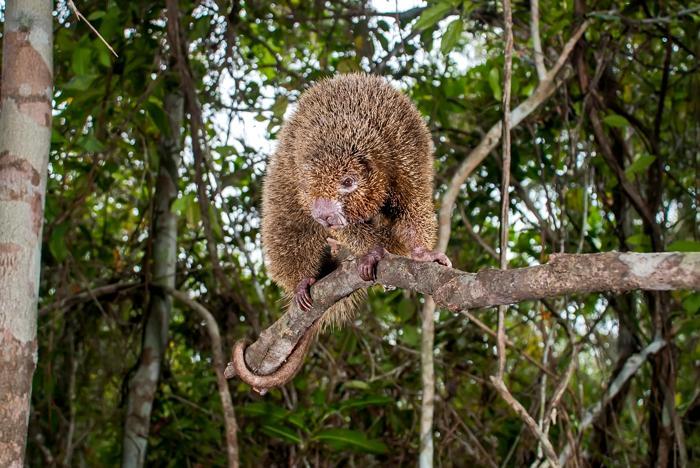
{"x": 383, "y": 41}
{"x": 91, "y": 144}
{"x": 155, "y": 112}
{"x": 495, "y": 83}
{"x": 298, "y": 421}
{"x": 56, "y": 136}
{"x": 81, "y": 61}
{"x": 187, "y": 206}
{"x": 104, "y": 56}
{"x": 57, "y": 244}
{"x": 79, "y": 83}
{"x": 371, "y": 400}
{"x": 350, "y": 440}
{"x": 639, "y": 165}
{"x": 280, "y": 105}
{"x": 614, "y": 120}
{"x": 527, "y": 90}
{"x": 266, "y": 409}
{"x": 214, "y": 218}
{"x": 281, "y": 432}
{"x": 640, "y": 242}
{"x": 684, "y": 246}
{"x": 405, "y": 310}
{"x": 347, "y": 65}
{"x": 356, "y": 384}
{"x": 95, "y": 15}
{"x": 432, "y": 15}
{"x": 452, "y": 34}
{"x": 692, "y": 303}
{"x": 410, "y": 335}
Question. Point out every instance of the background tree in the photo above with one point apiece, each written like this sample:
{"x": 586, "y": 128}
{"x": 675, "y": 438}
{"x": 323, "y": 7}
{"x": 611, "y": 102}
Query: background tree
{"x": 25, "y": 130}
{"x": 607, "y": 160}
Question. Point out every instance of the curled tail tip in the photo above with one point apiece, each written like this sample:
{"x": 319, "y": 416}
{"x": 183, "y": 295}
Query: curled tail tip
{"x": 229, "y": 371}
{"x": 262, "y": 383}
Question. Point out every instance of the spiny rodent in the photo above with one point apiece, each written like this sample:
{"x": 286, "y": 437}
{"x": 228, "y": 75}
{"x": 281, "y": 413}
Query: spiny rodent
{"x": 354, "y": 164}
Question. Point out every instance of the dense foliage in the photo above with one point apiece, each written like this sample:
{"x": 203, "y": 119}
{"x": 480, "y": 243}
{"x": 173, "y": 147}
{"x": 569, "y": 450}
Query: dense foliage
{"x": 635, "y": 73}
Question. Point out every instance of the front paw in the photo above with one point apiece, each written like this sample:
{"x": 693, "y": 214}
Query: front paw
{"x": 302, "y": 294}
{"x": 422, "y": 254}
{"x": 367, "y": 265}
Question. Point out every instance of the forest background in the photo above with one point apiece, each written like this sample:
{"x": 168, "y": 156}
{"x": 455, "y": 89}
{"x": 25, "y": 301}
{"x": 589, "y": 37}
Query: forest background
{"x": 164, "y": 117}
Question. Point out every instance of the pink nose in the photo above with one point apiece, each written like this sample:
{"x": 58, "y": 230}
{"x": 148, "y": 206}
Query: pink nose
{"x": 329, "y": 213}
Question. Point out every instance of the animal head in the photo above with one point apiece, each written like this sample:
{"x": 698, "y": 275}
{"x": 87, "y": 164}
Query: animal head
{"x": 341, "y": 185}
{"x": 347, "y": 133}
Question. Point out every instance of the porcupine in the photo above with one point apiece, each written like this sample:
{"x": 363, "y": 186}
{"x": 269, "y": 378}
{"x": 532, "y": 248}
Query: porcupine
{"x": 354, "y": 167}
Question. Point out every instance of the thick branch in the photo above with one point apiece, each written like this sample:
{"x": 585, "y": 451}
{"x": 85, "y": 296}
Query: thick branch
{"x": 456, "y": 290}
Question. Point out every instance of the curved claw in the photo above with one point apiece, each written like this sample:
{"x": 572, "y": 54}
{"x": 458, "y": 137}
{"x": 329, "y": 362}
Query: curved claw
{"x": 367, "y": 265}
{"x": 422, "y": 254}
{"x": 302, "y": 296}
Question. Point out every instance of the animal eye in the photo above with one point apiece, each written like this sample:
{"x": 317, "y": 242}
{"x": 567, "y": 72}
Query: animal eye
{"x": 347, "y": 184}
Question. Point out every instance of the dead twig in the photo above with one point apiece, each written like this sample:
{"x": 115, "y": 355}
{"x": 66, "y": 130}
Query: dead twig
{"x": 219, "y": 364}
{"x": 630, "y": 368}
{"x": 83, "y": 18}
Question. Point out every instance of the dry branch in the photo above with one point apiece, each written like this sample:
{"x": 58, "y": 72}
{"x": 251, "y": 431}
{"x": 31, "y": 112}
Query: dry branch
{"x": 630, "y": 368}
{"x": 543, "y": 91}
{"x": 212, "y": 328}
{"x": 536, "y": 42}
{"x": 80, "y": 17}
{"x": 500, "y": 386}
{"x": 457, "y": 290}
{"x": 497, "y": 380}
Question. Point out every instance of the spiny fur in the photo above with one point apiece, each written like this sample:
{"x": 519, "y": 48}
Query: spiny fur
{"x": 351, "y": 123}
{"x": 335, "y": 119}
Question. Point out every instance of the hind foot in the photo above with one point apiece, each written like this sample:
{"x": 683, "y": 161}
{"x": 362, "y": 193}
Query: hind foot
{"x": 302, "y": 294}
{"x": 425, "y": 255}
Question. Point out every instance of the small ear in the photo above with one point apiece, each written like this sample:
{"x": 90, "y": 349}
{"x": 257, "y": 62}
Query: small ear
{"x": 366, "y": 163}
{"x": 360, "y": 156}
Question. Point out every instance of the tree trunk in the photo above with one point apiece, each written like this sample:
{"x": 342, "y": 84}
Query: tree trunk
{"x": 143, "y": 385}
{"x": 25, "y": 137}
{"x": 427, "y": 407}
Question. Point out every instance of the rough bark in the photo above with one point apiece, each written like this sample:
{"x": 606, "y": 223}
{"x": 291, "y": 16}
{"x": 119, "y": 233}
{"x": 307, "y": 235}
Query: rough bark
{"x": 143, "y": 385}
{"x": 456, "y": 290}
{"x": 25, "y": 133}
